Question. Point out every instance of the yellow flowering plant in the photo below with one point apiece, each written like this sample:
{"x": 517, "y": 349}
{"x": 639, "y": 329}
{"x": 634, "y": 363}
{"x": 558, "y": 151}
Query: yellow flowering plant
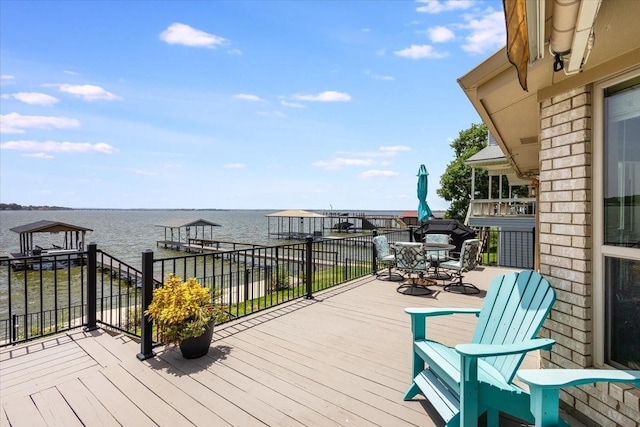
{"x": 183, "y": 309}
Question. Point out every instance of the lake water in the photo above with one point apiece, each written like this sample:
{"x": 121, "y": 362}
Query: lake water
{"x": 125, "y": 234}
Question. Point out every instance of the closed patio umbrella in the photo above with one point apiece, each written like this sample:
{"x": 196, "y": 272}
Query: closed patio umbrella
{"x": 424, "y": 212}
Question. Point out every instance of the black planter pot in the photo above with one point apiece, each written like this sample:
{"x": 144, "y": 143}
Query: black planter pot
{"x": 195, "y": 347}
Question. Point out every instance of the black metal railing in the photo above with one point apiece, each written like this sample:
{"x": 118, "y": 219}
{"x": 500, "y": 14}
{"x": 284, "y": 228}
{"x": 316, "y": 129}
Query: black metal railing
{"x": 47, "y": 294}
{"x": 250, "y": 280}
{"x": 43, "y": 295}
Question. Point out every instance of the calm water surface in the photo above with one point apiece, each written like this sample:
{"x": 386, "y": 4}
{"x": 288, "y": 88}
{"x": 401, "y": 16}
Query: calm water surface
{"x": 125, "y": 234}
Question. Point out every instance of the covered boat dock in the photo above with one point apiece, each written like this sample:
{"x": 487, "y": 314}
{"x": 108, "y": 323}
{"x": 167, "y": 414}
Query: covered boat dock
{"x": 295, "y": 224}
{"x": 187, "y": 234}
{"x": 74, "y": 237}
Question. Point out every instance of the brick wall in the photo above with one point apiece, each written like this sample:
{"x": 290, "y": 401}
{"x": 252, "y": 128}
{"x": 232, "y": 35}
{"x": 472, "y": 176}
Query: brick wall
{"x": 565, "y": 231}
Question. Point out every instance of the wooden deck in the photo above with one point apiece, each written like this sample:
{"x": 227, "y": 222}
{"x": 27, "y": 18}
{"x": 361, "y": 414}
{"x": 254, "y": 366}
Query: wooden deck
{"x": 341, "y": 359}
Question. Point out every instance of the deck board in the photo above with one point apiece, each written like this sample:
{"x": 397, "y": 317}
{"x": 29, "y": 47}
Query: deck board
{"x": 55, "y": 409}
{"x": 343, "y": 359}
{"x": 87, "y": 407}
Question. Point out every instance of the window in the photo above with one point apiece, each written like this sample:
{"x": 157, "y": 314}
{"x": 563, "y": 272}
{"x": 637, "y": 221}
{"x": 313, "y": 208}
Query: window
{"x": 621, "y": 223}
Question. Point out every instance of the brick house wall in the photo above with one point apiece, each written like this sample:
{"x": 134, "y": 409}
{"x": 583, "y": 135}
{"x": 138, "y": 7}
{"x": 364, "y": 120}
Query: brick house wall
{"x": 565, "y": 230}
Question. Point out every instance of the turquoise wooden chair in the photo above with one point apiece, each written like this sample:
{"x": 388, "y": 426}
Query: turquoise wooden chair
{"x": 464, "y": 382}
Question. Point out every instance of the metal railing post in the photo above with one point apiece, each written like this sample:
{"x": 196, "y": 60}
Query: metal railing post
{"x": 374, "y": 254}
{"x": 92, "y": 287}
{"x": 146, "y": 342}
{"x": 309, "y": 268}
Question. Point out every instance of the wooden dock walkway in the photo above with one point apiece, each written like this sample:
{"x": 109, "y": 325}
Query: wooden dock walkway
{"x": 342, "y": 359}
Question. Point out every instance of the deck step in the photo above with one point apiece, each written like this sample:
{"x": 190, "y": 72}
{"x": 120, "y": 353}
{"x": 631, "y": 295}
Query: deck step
{"x": 442, "y": 400}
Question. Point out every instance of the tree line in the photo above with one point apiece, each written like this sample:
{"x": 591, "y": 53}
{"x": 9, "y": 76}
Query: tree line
{"x": 16, "y": 207}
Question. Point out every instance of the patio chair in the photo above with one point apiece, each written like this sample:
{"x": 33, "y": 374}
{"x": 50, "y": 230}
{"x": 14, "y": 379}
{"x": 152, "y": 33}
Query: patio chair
{"x": 411, "y": 261}
{"x": 385, "y": 255}
{"x": 467, "y": 261}
{"x": 465, "y": 381}
{"x": 436, "y": 257}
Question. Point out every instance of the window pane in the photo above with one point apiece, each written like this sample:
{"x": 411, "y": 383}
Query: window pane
{"x": 622, "y": 282}
{"x": 622, "y": 167}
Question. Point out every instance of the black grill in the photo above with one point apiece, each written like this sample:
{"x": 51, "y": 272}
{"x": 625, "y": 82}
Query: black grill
{"x": 454, "y": 228}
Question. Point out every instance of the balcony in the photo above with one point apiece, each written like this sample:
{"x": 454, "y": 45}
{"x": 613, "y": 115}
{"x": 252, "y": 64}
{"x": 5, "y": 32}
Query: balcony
{"x": 343, "y": 358}
{"x": 519, "y": 213}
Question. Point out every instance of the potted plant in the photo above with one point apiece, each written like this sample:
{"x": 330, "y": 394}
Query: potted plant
{"x": 185, "y": 313}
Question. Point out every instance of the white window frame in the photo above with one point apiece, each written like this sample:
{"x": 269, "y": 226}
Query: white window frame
{"x": 600, "y": 251}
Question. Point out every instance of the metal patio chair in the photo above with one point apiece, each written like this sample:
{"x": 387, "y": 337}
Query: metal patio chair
{"x": 468, "y": 261}
{"x": 412, "y": 263}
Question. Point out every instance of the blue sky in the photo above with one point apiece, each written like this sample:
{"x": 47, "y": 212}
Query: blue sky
{"x": 235, "y": 104}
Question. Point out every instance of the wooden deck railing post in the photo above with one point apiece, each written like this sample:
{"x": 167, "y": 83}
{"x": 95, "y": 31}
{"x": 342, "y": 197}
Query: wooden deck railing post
{"x": 146, "y": 342}
{"x": 92, "y": 287}
{"x": 309, "y": 268}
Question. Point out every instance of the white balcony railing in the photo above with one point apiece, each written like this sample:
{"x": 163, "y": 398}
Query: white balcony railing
{"x": 501, "y": 207}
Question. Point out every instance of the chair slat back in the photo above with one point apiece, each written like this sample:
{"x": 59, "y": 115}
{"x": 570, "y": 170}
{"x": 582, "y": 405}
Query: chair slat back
{"x": 514, "y": 310}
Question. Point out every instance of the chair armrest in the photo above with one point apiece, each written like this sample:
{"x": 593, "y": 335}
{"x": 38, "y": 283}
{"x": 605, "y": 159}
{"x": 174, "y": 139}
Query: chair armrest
{"x": 419, "y": 317}
{"x": 557, "y": 378}
{"x": 431, "y": 312}
{"x": 485, "y": 350}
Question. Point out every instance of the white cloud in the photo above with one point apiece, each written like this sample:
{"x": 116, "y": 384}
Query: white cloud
{"x": 58, "y": 147}
{"x": 71, "y": 73}
{"x": 17, "y": 123}
{"x": 381, "y": 52}
{"x": 420, "y": 52}
{"x": 440, "y": 34}
{"x": 39, "y": 156}
{"x": 437, "y": 6}
{"x": 292, "y": 104}
{"x": 186, "y": 35}
{"x": 388, "y": 151}
{"x": 340, "y": 162}
{"x": 234, "y": 52}
{"x": 327, "y": 96}
{"x": 32, "y": 98}
{"x": 487, "y": 32}
{"x": 377, "y": 173}
{"x": 145, "y": 172}
{"x": 235, "y": 166}
{"x": 248, "y": 97}
{"x": 7, "y": 78}
{"x": 87, "y": 92}
{"x": 395, "y": 148}
{"x": 378, "y": 76}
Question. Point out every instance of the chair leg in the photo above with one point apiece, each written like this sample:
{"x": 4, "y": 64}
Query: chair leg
{"x": 459, "y": 287}
{"x": 415, "y": 288}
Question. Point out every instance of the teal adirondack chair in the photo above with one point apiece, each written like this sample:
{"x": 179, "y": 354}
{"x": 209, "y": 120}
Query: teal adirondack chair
{"x": 464, "y": 382}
